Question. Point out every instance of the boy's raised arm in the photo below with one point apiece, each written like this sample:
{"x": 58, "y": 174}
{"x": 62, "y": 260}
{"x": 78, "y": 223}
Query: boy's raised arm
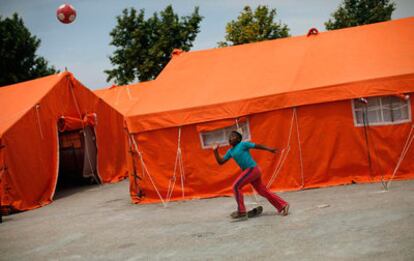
{"x": 219, "y": 159}
{"x": 264, "y": 147}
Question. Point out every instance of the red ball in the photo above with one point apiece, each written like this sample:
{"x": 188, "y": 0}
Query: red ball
{"x": 66, "y": 13}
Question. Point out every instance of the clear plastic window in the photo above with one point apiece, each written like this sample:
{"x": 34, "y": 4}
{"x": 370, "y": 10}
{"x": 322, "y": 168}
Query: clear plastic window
{"x": 381, "y": 111}
{"x": 221, "y": 136}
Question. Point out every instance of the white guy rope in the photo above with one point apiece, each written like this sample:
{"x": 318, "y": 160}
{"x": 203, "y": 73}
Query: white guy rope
{"x": 180, "y": 162}
{"x": 283, "y": 155}
{"x": 180, "y": 165}
{"x": 406, "y": 147}
{"x": 144, "y": 167}
{"x": 300, "y": 148}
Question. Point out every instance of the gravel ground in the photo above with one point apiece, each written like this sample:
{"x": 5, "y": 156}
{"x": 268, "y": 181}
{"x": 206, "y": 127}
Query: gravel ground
{"x": 356, "y": 222}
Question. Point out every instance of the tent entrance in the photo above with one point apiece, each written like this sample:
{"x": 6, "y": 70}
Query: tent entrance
{"x": 77, "y": 158}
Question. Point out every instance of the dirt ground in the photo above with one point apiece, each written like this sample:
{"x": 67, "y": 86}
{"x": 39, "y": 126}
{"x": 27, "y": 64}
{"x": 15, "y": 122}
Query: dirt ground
{"x": 357, "y": 222}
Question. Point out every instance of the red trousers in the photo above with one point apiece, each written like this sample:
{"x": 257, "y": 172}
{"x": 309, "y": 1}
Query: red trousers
{"x": 253, "y": 176}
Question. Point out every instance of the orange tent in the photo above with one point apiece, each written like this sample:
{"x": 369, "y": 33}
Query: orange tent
{"x": 337, "y": 102}
{"x": 37, "y": 119}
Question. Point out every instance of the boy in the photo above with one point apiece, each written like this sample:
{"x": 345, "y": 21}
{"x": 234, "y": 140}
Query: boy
{"x": 250, "y": 174}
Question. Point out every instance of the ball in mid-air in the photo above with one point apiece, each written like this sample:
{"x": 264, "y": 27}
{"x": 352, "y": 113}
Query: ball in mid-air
{"x": 66, "y": 13}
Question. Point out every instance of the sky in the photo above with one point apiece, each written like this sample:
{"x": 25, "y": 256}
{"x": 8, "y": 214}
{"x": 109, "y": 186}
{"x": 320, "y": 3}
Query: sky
{"x": 83, "y": 47}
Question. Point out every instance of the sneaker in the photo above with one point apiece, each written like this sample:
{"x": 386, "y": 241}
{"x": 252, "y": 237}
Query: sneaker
{"x": 238, "y": 215}
{"x": 285, "y": 210}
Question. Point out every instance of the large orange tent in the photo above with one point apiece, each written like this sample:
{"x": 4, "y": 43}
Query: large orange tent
{"x": 338, "y": 104}
{"x": 38, "y": 118}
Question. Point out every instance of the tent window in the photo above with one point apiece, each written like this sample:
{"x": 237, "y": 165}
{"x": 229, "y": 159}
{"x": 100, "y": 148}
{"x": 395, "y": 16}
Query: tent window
{"x": 386, "y": 110}
{"x": 221, "y": 136}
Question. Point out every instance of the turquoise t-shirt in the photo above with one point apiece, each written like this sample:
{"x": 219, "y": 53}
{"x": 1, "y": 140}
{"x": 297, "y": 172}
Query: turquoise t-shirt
{"x": 240, "y": 153}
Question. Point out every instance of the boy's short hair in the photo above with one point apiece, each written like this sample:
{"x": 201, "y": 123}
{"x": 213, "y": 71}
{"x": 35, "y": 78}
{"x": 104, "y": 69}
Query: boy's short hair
{"x": 238, "y": 134}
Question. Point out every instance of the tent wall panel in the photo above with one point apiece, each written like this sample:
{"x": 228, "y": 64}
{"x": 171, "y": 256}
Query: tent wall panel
{"x": 112, "y": 143}
{"x": 333, "y": 151}
{"x": 30, "y": 155}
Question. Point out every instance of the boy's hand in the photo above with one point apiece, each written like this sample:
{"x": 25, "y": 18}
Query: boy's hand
{"x": 274, "y": 150}
{"x": 215, "y": 146}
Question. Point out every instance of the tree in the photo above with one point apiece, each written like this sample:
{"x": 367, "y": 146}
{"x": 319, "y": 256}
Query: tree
{"x": 254, "y": 27}
{"x": 360, "y": 12}
{"x": 19, "y": 61}
{"x": 144, "y": 47}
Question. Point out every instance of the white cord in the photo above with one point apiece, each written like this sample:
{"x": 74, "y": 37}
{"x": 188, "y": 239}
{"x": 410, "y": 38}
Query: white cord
{"x": 180, "y": 165}
{"x": 144, "y": 168}
{"x": 300, "y": 149}
{"x": 283, "y": 155}
{"x": 407, "y": 145}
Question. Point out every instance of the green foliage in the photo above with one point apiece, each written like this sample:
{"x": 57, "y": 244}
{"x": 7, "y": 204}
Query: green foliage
{"x": 254, "y": 27}
{"x": 144, "y": 46}
{"x": 18, "y": 59}
{"x": 359, "y": 12}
